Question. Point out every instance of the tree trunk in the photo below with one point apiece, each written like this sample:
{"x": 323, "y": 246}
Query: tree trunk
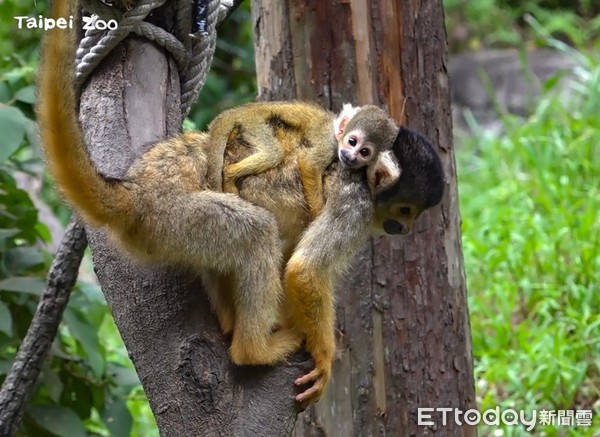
{"x": 405, "y": 335}
{"x": 164, "y": 318}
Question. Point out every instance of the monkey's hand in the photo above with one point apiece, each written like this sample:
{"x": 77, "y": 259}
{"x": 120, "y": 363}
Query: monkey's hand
{"x": 319, "y": 377}
{"x": 309, "y": 290}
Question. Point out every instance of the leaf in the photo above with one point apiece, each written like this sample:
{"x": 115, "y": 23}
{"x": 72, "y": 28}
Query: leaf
{"x": 44, "y": 233}
{"x": 92, "y": 291}
{"x": 52, "y": 382}
{"x": 22, "y": 258}
{"x": 26, "y": 95}
{"x": 5, "y": 234}
{"x": 123, "y": 377}
{"x": 4, "y": 92}
{"x": 16, "y": 208}
{"x": 117, "y": 418}
{"x": 5, "y": 367}
{"x": 90, "y": 301}
{"x": 23, "y": 284}
{"x": 12, "y": 126}
{"x": 33, "y": 136}
{"x": 5, "y": 320}
{"x": 87, "y": 337}
{"x": 553, "y": 81}
{"x": 77, "y": 394}
{"x": 58, "y": 420}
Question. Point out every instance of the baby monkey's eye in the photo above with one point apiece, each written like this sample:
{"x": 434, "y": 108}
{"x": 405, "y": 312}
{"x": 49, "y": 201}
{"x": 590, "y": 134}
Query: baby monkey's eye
{"x": 365, "y": 152}
{"x": 352, "y": 141}
{"x": 405, "y": 210}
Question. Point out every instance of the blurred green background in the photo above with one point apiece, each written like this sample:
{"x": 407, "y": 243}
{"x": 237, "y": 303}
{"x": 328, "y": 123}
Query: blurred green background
{"x": 529, "y": 201}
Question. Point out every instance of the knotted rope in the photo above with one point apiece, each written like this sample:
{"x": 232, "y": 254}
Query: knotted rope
{"x": 193, "y": 53}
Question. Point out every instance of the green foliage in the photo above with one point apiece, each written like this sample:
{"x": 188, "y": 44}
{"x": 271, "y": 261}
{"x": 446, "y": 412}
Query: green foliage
{"x": 503, "y": 23}
{"x": 18, "y": 46}
{"x": 12, "y": 123}
{"x": 80, "y": 387}
{"x": 531, "y": 239}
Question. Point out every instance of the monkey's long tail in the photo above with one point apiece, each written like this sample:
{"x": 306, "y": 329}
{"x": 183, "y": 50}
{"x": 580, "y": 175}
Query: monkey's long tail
{"x": 93, "y": 197}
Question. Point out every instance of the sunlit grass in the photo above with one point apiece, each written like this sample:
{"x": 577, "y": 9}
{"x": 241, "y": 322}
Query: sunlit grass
{"x": 530, "y": 204}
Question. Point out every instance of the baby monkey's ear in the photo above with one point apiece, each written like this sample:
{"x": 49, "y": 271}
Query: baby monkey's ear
{"x": 339, "y": 124}
{"x": 384, "y": 172}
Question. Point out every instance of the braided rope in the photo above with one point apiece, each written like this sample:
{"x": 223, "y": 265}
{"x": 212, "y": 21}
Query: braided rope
{"x": 102, "y": 9}
{"x": 224, "y": 9}
{"x": 183, "y": 24}
{"x": 193, "y": 54}
{"x": 166, "y": 40}
{"x": 109, "y": 40}
{"x": 203, "y": 49}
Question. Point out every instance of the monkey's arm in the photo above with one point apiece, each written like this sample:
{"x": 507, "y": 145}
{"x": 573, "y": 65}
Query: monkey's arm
{"x": 322, "y": 255}
{"x": 311, "y": 174}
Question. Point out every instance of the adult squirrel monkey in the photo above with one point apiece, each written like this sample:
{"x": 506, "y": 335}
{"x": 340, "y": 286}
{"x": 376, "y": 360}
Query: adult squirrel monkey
{"x": 358, "y": 135}
{"x": 170, "y": 209}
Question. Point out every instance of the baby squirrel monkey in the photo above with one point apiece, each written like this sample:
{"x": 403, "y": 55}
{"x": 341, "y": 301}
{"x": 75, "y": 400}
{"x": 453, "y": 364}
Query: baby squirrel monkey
{"x": 275, "y": 129}
{"x": 170, "y": 209}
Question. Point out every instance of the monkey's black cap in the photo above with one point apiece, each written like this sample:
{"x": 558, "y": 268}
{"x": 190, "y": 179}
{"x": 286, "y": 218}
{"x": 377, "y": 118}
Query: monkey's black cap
{"x": 422, "y": 179}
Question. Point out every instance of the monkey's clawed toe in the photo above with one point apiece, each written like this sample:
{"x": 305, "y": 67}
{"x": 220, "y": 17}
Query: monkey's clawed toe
{"x": 318, "y": 377}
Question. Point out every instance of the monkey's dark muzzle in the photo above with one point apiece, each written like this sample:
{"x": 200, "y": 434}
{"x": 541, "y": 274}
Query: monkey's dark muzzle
{"x": 348, "y": 160}
{"x": 394, "y": 227}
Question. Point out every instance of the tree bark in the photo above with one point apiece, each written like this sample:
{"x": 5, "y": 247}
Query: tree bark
{"x": 403, "y": 318}
{"x": 164, "y": 318}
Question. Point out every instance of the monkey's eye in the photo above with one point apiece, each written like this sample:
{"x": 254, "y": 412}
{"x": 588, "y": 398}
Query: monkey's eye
{"x": 352, "y": 141}
{"x": 364, "y": 152}
{"x": 405, "y": 210}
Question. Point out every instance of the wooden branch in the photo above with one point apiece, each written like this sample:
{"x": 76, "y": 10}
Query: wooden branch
{"x": 163, "y": 316}
{"x": 33, "y": 351}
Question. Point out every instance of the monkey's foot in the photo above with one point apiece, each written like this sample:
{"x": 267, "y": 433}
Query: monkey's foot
{"x": 319, "y": 377}
{"x": 259, "y": 351}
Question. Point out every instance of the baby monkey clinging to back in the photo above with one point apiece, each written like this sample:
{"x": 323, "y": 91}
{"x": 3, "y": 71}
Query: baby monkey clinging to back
{"x": 360, "y": 136}
{"x": 365, "y": 135}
